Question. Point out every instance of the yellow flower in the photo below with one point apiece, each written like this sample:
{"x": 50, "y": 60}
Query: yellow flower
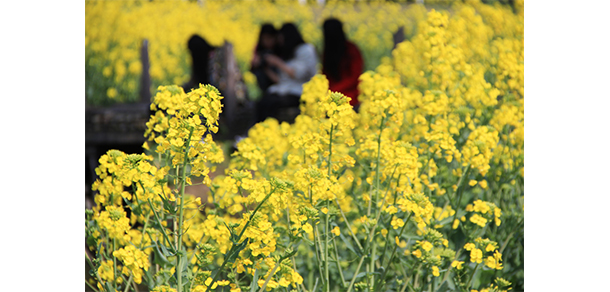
{"x": 469, "y": 246}
{"x": 457, "y": 264}
{"x": 476, "y": 255}
{"x": 134, "y": 259}
{"x": 208, "y": 281}
{"x": 490, "y": 247}
{"x": 427, "y": 246}
{"x": 456, "y": 223}
{"x": 336, "y": 231}
{"x": 400, "y": 243}
{"x": 435, "y": 271}
{"x": 417, "y": 253}
{"x": 479, "y": 220}
{"x": 397, "y": 223}
{"x": 481, "y": 207}
{"x": 111, "y": 92}
{"x": 283, "y": 282}
{"x": 307, "y": 228}
{"x": 106, "y": 271}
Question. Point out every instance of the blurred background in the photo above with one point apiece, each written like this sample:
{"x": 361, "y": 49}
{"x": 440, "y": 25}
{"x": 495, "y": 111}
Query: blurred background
{"x": 133, "y": 47}
{"x": 115, "y": 30}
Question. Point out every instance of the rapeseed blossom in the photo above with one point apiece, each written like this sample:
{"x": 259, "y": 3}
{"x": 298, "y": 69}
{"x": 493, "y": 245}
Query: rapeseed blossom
{"x": 434, "y": 152}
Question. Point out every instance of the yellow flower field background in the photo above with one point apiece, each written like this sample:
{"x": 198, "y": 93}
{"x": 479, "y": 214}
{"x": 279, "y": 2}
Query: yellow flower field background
{"x": 422, "y": 189}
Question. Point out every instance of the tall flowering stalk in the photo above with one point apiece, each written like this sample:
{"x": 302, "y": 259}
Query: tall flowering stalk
{"x": 420, "y": 190}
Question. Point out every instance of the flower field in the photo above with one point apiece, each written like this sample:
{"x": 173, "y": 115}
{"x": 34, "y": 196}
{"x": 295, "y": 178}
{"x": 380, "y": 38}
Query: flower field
{"x": 421, "y": 189}
{"x": 115, "y": 29}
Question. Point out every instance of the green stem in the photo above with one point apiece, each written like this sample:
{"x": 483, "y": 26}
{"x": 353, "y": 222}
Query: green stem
{"x": 406, "y": 279}
{"x": 326, "y": 217}
{"x": 326, "y": 272}
{"x": 99, "y": 280}
{"x": 318, "y": 246}
{"x": 510, "y": 236}
{"x": 351, "y": 284}
{"x": 180, "y": 256}
{"x": 372, "y": 265}
{"x": 377, "y": 183}
{"x": 232, "y": 250}
{"x": 162, "y": 228}
{"x": 459, "y": 192}
{"x": 254, "y": 213}
{"x": 269, "y": 277}
{"x": 378, "y": 155}
{"x": 338, "y": 264}
{"x": 387, "y": 237}
{"x": 457, "y": 256}
{"x": 198, "y": 243}
{"x": 92, "y": 288}
{"x": 393, "y": 253}
{"x": 348, "y": 226}
{"x": 114, "y": 261}
{"x": 217, "y": 274}
{"x": 472, "y": 276}
{"x": 128, "y": 283}
{"x": 294, "y": 267}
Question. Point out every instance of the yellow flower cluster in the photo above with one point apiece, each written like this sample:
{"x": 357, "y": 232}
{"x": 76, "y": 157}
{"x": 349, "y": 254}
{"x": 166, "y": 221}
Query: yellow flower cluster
{"x": 132, "y": 170}
{"x": 433, "y": 251}
{"x": 478, "y": 150}
{"x": 437, "y": 141}
{"x": 180, "y": 123}
{"x": 114, "y": 31}
{"x": 477, "y": 254}
{"x": 106, "y": 271}
{"x": 488, "y": 212}
{"x": 134, "y": 261}
{"x": 143, "y": 184}
{"x": 114, "y": 221}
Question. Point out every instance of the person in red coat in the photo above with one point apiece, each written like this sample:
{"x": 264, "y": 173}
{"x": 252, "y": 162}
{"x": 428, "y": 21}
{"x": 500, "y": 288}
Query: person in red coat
{"x": 342, "y": 61}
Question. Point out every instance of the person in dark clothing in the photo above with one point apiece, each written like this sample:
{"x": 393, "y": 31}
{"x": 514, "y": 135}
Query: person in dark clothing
{"x": 267, "y": 44}
{"x": 296, "y": 65}
{"x": 342, "y": 61}
{"x": 200, "y": 55}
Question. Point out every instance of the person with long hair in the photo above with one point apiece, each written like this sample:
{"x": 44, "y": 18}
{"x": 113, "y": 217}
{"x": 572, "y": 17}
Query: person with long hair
{"x": 200, "y": 56}
{"x": 342, "y": 61}
{"x": 267, "y": 44}
{"x": 296, "y": 64}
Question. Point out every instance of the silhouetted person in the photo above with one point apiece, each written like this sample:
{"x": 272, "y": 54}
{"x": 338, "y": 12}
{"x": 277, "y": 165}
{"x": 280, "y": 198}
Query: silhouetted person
{"x": 200, "y": 55}
{"x": 297, "y": 64}
{"x": 342, "y": 62}
{"x": 267, "y": 44}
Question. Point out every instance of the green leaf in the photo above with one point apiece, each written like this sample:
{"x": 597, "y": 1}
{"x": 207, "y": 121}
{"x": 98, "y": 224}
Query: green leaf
{"x": 349, "y": 245}
{"x": 108, "y": 287}
{"x": 185, "y": 271}
{"x": 160, "y": 257}
{"x": 165, "y": 251}
{"x": 290, "y": 254}
{"x": 362, "y": 274}
{"x": 236, "y": 249}
{"x": 254, "y": 285}
{"x": 444, "y": 287}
